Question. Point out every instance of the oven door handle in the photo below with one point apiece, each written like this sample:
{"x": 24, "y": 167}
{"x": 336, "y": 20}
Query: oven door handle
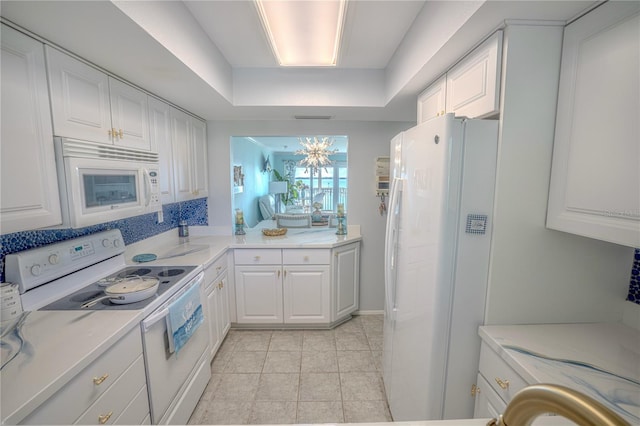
{"x": 163, "y": 310}
{"x": 148, "y": 322}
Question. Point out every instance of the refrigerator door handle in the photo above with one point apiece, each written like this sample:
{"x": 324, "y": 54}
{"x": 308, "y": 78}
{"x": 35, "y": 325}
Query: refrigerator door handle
{"x": 391, "y": 240}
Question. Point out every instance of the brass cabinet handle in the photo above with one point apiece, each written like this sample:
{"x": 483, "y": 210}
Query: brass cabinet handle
{"x": 102, "y": 419}
{"x": 306, "y": 258}
{"x": 256, "y": 258}
{"x": 218, "y": 268}
{"x": 285, "y": 272}
{"x": 99, "y": 380}
{"x": 121, "y": 133}
{"x": 503, "y": 384}
{"x": 475, "y": 390}
{"x": 111, "y": 134}
{"x": 278, "y": 273}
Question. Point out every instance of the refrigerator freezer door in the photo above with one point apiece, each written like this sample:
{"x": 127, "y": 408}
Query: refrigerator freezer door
{"x": 426, "y": 228}
{"x": 390, "y": 248}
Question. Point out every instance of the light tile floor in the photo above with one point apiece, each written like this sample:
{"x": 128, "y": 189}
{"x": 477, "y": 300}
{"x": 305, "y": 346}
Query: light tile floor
{"x": 297, "y": 376}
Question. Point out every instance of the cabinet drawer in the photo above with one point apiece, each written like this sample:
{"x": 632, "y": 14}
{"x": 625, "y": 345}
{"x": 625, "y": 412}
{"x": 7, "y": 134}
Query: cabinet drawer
{"x": 137, "y": 411}
{"x": 76, "y": 396}
{"x": 258, "y": 257}
{"x": 497, "y": 371}
{"x": 306, "y": 256}
{"x": 113, "y": 403}
{"x": 215, "y": 269}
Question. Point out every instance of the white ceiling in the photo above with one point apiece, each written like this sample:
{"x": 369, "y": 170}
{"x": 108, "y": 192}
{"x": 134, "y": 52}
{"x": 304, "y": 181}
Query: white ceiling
{"x": 212, "y": 58}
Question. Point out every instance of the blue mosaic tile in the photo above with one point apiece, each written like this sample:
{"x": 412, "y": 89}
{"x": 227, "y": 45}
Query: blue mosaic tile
{"x": 133, "y": 229}
{"x": 634, "y": 283}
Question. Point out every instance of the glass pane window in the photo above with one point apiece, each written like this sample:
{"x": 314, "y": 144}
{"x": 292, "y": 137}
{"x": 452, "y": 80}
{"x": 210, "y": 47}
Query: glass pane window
{"x": 327, "y": 186}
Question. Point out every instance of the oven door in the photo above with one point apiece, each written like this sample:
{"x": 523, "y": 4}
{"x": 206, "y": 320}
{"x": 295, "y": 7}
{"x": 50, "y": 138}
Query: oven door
{"x": 170, "y": 375}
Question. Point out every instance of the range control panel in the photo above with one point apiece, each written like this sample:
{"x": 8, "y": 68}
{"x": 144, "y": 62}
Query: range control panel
{"x": 34, "y": 267}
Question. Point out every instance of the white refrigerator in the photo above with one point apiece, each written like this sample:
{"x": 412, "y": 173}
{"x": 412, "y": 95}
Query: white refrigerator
{"x": 437, "y": 247}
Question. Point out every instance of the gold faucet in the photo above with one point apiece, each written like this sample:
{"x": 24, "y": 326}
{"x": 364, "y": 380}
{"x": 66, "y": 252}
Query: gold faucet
{"x": 536, "y": 400}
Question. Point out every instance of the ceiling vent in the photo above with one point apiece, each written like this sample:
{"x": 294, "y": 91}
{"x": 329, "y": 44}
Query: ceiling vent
{"x": 313, "y": 117}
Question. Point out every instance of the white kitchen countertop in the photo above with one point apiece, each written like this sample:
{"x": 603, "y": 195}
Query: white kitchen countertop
{"x": 210, "y": 246}
{"x": 58, "y": 345}
{"x": 600, "y": 360}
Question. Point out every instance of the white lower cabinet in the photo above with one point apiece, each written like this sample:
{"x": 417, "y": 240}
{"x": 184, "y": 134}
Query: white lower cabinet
{"x": 497, "y": 384}
{"x": 488, "y": 403}
{"x": 259, "y": 294}
{"x": 306, "y": 294}
{"x": 112, "y": 390}
{"x": 296, "y": 286}
{"x": 346, "y": 280}
{"x": 217, "y": 303}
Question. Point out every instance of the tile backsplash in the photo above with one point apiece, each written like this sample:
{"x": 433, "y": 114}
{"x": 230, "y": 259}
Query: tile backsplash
{"x": 133, "y": 229}
{"x": 634, "y": 284}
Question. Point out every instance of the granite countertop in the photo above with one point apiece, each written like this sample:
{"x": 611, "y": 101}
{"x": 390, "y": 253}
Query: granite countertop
{"x": 601, "y": 360}
{"x": 56, "y": 346}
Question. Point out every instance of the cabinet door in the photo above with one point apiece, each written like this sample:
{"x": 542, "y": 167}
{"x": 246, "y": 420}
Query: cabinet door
{"x": 180, "y": 139}
{"x": 346, "y": 279}
{"x": 431, "y": 102}
{"x": 212, "y": 318}
{"x": 160, "y": 137}
{"x": 224, "y": 321}
{"x": 306, "y": 294}
{"x": 29, "y": 197}
{"x": 129, "y": 115}
{"x": 79, "y": 98}
{"x": 595, "y": 179}
{"x": 473, "y": 85}
{"x": 199, "y": 158}
{"x": 259, "y": 294}
{"x": 488, "y": 404}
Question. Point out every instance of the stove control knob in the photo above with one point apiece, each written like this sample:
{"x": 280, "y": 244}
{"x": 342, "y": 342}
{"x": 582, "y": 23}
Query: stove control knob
{"x": 106, "y": 242}
{"x": 35, "y": 270}
{"x": 53, "y": 259}
{"x": 116, "y": 243}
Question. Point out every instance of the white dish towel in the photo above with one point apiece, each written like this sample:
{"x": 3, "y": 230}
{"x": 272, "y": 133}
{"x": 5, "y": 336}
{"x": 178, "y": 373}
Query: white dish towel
{"x": 185, "y": 316}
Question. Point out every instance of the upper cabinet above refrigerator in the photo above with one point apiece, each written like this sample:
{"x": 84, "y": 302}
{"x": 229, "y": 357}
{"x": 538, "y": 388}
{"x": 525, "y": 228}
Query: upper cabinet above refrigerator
{"x": 595, "y": 178}
{"x": 470, "y": 88}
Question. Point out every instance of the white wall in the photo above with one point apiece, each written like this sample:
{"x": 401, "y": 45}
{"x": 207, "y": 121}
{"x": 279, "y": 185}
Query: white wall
{"x": 367, "y": 140}
{"x": 539, "y": 275}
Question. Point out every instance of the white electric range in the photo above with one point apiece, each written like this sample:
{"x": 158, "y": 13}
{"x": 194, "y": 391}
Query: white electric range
{"x": 65, "y": 275}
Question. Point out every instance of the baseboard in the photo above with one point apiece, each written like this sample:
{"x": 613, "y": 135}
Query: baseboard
{"x": 380, "y": 312}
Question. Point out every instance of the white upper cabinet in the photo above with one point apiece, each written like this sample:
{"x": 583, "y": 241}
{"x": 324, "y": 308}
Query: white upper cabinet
{"x": 189, "y": 139}
{"x": 129, "y": 115}
{"x": 432, "y": 102}
{"x": 160, "y": 136}
{"x": 473, "y": 85}
{"x": 471, "y": 88}
{"x": 29, "y": 197}
{"x": 89, "y": 105}
{"x": 595, "y": 178}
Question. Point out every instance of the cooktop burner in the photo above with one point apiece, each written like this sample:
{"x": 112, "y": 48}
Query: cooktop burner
{"x": 167, "y": 276}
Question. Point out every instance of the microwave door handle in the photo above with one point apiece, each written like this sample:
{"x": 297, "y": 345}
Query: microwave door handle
{"x": 147, "y": 187}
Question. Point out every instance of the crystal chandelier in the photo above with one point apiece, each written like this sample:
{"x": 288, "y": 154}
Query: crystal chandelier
{"x": 316, "y": 153}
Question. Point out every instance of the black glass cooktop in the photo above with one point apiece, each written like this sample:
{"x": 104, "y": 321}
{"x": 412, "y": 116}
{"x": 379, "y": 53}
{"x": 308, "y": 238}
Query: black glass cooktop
{"x": 167, "y": 277}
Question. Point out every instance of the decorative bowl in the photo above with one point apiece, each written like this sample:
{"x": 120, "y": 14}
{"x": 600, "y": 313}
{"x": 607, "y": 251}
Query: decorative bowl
{"x": 276, "y": 232}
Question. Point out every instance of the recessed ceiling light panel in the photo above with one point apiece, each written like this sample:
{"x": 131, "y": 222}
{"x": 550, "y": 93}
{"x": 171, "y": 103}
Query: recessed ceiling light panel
{"x": 303, "y": 33}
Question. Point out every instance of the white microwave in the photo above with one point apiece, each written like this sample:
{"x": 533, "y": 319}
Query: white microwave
{"x": 101, "y": 183}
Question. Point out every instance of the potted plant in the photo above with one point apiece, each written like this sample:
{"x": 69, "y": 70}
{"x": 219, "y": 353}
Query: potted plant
{"x": 293, "y": 189}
